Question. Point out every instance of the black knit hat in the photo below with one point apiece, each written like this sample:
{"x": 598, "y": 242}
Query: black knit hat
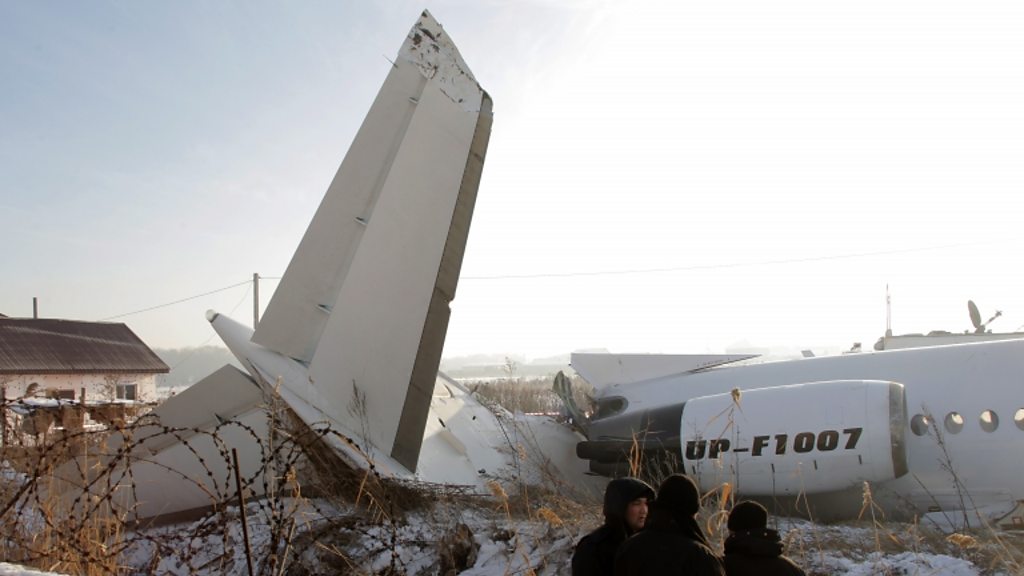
{"x": 747, "y": 516}
{"x": 679, "y": 495}
{"x": 620, "y": 492}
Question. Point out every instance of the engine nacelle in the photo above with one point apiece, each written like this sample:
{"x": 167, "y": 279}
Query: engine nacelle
{"x": 802, "y": 438}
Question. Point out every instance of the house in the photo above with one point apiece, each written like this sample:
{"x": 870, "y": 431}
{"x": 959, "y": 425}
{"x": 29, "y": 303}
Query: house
{"x": 64, "y": 358}
{"x": 1012, "y": 520}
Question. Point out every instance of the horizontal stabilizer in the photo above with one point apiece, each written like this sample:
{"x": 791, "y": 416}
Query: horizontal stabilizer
{"x": 217, "y": 398}
{"x": 603, "y": 370}
{"x": 177, "y": 461}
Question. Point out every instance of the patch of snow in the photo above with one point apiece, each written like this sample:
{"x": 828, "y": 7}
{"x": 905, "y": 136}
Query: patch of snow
{"x": 15, "y": 570}
{"x": 909, "y": 563}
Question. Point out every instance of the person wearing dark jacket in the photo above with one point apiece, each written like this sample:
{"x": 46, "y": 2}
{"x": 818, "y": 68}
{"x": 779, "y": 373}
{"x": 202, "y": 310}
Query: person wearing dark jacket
{"x": 672, "y": 542}
{"x": 625, "y": 511}
{"x": 753, "y": 548}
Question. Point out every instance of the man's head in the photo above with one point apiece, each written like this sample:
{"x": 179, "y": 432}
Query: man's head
{"x": 625, "y": 500}
{"x": 679, "y": 495}
{"x": 748, "y": 516}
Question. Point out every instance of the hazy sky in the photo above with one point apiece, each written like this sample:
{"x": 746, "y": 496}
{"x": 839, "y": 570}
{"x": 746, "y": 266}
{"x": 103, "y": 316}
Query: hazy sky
{"x": 662, "y": 176}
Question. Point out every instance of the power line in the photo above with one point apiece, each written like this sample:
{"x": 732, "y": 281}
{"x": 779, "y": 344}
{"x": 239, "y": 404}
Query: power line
{"x": 158, "y": 306}
{"x": 205, "y": 342}
{"x": 713, "y": 266}
{"x": 607, "y": 272}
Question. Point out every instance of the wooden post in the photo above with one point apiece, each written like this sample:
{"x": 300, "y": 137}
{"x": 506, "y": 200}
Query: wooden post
{"x": 255, "y": 299}
{"x": 241, "y": 506}
{"x": 3, "y": 414}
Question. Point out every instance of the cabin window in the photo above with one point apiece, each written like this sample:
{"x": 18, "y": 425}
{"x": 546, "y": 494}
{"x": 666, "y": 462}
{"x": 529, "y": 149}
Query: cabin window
{"x": 989, "y": 421}
{"x": 919, "y": 424}
{"x": 126, "y": 391}
{"x": 1018, "y": 418}
{"x": 954, "y": 422}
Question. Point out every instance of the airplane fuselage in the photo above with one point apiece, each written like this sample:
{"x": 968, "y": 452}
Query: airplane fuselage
{"x": 957, "y": 444}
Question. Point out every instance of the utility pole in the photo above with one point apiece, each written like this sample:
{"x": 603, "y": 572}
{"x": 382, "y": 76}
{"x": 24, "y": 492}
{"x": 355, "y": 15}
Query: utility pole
{"x": 255, "y": 299}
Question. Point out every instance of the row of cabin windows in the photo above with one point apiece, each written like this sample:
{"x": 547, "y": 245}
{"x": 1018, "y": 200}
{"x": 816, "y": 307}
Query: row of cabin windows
{"x": 954, "y": 422}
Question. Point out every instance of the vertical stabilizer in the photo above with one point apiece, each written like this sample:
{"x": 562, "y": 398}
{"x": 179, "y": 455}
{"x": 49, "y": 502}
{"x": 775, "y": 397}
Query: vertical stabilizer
{"x": 365, "y": 300}
{"x": 297, "y": 314}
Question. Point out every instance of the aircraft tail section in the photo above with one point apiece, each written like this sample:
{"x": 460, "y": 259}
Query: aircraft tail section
{"x": 354, "y": 333}
{"x": 297, "y": 314}
{"x": 409, "y": 435}
{"x": 365, "y": 301}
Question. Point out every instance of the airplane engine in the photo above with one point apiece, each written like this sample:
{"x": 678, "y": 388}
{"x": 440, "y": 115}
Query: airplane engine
{"x": 802, "y": 438}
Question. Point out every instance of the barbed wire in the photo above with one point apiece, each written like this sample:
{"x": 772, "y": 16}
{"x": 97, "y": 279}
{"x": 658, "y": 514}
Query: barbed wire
{"x": 89, "y": 524}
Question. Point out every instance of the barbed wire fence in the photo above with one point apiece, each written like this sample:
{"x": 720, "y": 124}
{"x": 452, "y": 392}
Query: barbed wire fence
{"x": 69, "y": 501}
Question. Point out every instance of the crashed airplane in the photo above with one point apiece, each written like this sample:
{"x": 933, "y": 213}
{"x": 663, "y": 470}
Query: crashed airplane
{"x": 934, "y": 430}
{"x": 353, "y": 336}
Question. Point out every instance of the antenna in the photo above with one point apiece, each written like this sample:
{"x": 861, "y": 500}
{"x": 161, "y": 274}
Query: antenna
{"x": 979, "y": 326}
{"x": 888, "y": 313}
{"x": 972, "y": 309}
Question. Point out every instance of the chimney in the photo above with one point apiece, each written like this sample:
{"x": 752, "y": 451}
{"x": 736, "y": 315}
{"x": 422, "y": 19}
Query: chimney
{"x": 35, "y": 307}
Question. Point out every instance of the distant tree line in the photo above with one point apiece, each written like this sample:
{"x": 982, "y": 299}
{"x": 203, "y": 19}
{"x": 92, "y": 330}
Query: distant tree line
{"x": 190, "y": 365}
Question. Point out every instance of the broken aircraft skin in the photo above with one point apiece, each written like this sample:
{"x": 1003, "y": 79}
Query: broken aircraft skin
{"x": 352, "y": 338}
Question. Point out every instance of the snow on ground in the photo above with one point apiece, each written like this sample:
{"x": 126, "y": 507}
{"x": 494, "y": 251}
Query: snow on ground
{"x": 895, "y": 548}
{"x": 903, "y": 563}
{"x": 501, "y": 546}
{"x": 14, "y": 570}
{"x": 483, "y": 539}
{"x": 447, "y": 532}
{"x": 328, "y": 539}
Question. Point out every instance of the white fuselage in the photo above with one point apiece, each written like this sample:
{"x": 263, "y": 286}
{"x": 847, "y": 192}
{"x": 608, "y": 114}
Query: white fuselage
{"x": 972, "y": 456}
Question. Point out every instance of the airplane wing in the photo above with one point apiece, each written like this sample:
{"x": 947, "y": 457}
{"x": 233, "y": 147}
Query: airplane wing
{"x": 603, "y": 370}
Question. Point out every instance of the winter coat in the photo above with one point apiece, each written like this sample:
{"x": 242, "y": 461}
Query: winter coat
{"x": 666, "y": 547}
{"x": 595, "y": 553}
{"x": 759, "y": 553}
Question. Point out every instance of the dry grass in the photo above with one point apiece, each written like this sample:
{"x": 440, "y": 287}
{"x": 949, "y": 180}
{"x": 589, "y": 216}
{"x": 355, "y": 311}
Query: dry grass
{"x": 323, "y": 516}
{"x": 318, "y": 514}
{"x": 50, "y": 532}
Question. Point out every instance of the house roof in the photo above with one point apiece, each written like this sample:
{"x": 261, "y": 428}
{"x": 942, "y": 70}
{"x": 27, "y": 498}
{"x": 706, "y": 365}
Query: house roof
{"x": 49, "y": 346}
